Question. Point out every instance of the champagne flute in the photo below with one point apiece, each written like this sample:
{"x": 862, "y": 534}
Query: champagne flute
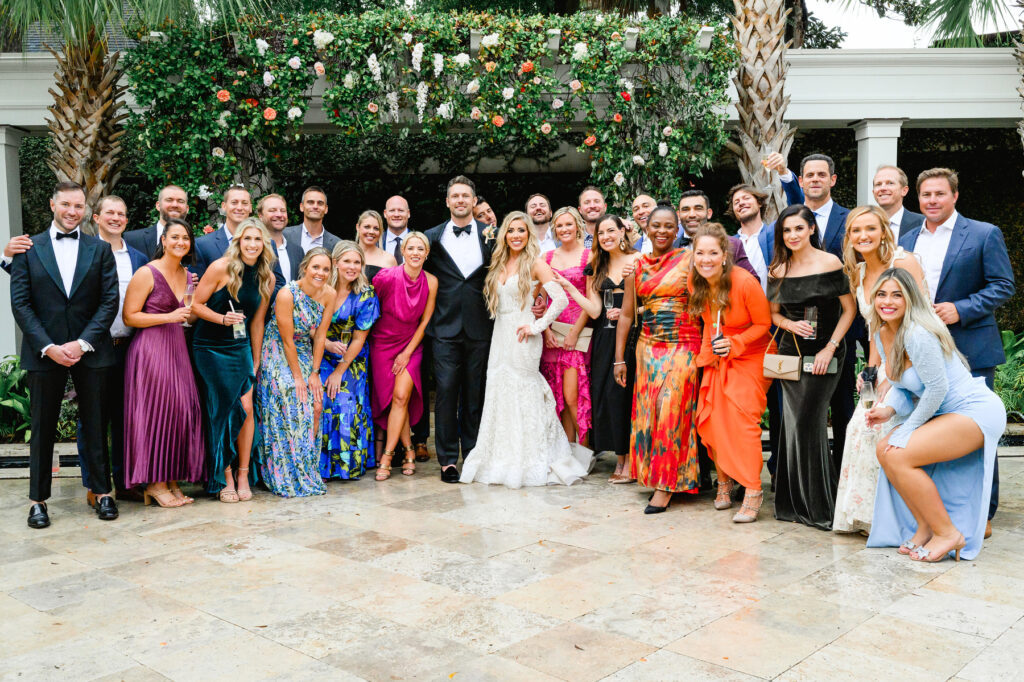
{"x": 190, "y": 292}
{"x": 609, "y": 303}
{"x": 346, "y": 339}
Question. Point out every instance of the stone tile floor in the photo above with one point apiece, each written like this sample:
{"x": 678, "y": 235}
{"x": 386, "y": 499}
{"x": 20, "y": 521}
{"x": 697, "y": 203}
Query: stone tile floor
{"x": 416, "y": 579}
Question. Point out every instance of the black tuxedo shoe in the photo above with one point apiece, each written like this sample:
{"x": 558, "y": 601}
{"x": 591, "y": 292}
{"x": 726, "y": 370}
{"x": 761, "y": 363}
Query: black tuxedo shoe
{"x": 37, "y": 516}
{"x": 106, "y": 508}
{"x": 450, "y": 475}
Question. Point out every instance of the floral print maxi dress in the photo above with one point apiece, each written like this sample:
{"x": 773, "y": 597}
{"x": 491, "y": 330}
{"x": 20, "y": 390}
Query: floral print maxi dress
{"x": 663, "y": 449}
{"x": 347, "y": 419}
{"x": 291, "y": 450}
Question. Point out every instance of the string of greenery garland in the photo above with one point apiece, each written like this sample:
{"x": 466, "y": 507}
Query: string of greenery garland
{"x": 213, "y": 110}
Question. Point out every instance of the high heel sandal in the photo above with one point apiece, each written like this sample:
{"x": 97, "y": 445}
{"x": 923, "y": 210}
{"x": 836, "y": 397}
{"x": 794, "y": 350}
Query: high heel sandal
{"x": 748, "y": 510}
{"x": 165, "y": 498}
{"x": 384, "y": 470}
{"x": 922, "y": 553}
{"x": 906, "y": 548}
{"x": 176, "y": 491}
{"x": 408, "y": 464}
{"x": 243, "y": 495}
{"x": 724, "y": 498}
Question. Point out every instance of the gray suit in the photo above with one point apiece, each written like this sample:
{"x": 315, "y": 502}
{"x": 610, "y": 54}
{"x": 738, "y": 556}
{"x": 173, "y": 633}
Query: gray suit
{"x": 294, "y": 235}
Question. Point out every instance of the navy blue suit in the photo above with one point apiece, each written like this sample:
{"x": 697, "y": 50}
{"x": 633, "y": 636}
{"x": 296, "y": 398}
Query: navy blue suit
{"x": 143, "y": 240}
{"x": 909, "y": 222}
{"x": 210, "y": 247}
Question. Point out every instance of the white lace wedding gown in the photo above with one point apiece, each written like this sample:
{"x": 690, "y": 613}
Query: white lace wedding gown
{"x": 521, "y": 441}
{"x": 858, "y": 476}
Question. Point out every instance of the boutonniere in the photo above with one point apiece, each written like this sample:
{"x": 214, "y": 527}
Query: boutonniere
{"x": 489, "y": 233}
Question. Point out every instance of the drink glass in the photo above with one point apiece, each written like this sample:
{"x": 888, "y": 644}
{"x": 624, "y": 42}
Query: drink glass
{"x": 609, "y": 303}
{"x": 190, "y": 292}
{"x": 346, "y": 337}
{"x": 868, "y": 395}
{"x": 811, "y": 318}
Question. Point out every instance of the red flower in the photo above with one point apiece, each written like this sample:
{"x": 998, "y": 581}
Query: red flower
{"x": 522, "y": 88}
{"x": 252, "y": 102}
{"x": 269, "y": 114}
{"x": 526, "y": 67}
{"x": 207, "y": 229}
{"x": 626, "y": 96}
{"x": 498, "y": 120}
{"x": 617, "y": 118}
{"x": 590, "y": 141}
{"x": 336, "y": 112}
{"x": 223, "y": 95}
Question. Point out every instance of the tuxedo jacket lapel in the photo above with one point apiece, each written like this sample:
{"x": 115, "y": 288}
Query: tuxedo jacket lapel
{"x": 956, "y": 242}
{"x": 485, "y": 252}
{"x": 85, "y": 255}
{"x": 49, "y": 261}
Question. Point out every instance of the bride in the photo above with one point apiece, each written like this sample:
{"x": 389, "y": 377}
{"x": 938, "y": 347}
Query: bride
{"x": 521, "y": 440}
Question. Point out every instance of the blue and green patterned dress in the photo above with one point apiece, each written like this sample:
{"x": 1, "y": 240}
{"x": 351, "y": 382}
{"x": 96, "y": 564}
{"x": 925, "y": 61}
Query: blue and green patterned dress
{"x": 347, "y": 420}
{"x": 291, "y": 450}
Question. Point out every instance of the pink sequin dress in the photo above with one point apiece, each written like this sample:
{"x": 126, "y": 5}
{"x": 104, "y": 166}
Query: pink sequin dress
{"x": 555, "y": 361}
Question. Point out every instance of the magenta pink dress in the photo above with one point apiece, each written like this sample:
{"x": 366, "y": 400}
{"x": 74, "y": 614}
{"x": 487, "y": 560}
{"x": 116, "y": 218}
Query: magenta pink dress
{"x": 163, "y": 423}
{"x": 402, "y": 301}
{"x": 554, "y": 361}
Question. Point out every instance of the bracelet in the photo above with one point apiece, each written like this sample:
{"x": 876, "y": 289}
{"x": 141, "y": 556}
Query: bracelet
{"x": 224, "y": 320}
{"x": 618, "y": 363}
{"x": 834, "y": 343}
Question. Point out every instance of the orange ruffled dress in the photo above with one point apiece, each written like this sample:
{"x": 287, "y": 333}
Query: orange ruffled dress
{"x": 732, "y": 392}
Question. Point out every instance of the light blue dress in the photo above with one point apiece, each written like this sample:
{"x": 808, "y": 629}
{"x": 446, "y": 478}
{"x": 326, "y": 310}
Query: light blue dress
{"x": 934, "y": 386}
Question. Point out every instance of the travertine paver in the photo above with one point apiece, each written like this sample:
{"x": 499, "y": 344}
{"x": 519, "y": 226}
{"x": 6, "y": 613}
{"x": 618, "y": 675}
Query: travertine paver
{"x": 417, "y": 579}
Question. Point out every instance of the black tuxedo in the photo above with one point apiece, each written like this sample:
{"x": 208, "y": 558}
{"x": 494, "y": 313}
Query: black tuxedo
{"x": 49, "y": 315}
{"x": 460, "y": 333}
{"x": 143, "y": 240}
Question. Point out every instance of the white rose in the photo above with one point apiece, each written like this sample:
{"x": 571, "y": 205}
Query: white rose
{"x": 599, "y": 19}
{"x": 473, "y": 87}
{"x": 557, "y": 103}
{"x": 203, "y": 192}
{"x": 350, "y": 80}
{"x": 445, "y": 110}
{"x": 407, "y": 37}
{"x": 294, "y": 113}
{"x": 638, "y": 160}
{"x": 218, "y": 152}
{"x": 667, "y": 131}
{"x": 619, "y": 179}
{"x": 662, "y": 149}
{"x": 579, "y": 51}
{"x": 508, "y": 93}
{"x": 462, "y": 59}
{"x": 222, "y": 120}
{"x": 268, "y": 78}
{"x": 489, "y": 40}
{"x": 262, "y": 46}
{"x": 295, "y": 62}
{"x": 322, "y": 39}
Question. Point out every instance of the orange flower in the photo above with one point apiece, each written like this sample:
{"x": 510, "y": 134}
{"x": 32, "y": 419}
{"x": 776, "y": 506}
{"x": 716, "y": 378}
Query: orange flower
{"x": 590, "y": 141}
{"x": 617, "y": 118}
{"x": 269, "y": 114}
{"x": 372, "y": 107}
{"x": 498, "y": 120}
{"x": 252, "y": 102}
{"x": 490, "y": 66}
{"x": 526, "y": 67}
{"x": 207, "y": 229}
{"x": 223, "y": 95}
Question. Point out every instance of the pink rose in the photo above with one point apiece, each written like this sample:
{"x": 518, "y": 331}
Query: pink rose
{"x": 545, "y": 128}
{"x": 319, "y": 68}
{"x": 575, "y": 85}
{"x": 372, "y": 106}
{"x": 269, "y": 114}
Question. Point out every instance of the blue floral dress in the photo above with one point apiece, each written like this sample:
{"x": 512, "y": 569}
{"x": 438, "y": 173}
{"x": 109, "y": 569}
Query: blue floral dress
{"x": 347, "y": 420}
{"x": 291, "y": 450}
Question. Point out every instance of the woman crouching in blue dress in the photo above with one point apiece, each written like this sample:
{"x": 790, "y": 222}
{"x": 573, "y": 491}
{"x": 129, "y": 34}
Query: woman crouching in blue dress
{"x": 936, "y": 478}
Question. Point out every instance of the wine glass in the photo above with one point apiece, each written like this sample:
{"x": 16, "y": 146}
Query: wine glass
{"x": 609, "y": 303}
{"x": 190, "y": 292}
{"x": 346, "y": 338}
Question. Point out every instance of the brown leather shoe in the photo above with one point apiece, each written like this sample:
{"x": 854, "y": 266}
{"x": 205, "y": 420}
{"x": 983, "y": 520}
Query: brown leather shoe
{"x": 90, "y": 498}
{"x": 988, "y": 530}
{"x": 422, "y": 453}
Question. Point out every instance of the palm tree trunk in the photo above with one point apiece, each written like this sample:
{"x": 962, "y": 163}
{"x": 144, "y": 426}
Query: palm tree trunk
{"x": 1018, "y": 52}
{"x": 86, "y": 119}
{"x": 760, "y": 29}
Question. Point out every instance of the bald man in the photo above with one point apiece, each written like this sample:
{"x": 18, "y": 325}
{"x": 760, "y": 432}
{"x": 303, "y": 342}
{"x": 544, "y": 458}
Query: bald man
{"x": 396, "y": 214}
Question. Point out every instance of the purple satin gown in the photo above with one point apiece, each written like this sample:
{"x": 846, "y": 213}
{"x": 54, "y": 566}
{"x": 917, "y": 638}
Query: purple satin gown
{"x": 402, "y": 302}
{"x": 163, "y": 423}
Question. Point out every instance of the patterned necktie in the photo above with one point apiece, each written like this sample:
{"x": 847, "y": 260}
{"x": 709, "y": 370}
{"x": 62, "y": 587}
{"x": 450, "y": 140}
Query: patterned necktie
{"x": 398, "y": 250}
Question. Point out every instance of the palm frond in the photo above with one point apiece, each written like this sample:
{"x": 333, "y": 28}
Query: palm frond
{"x": 954, "y": 20}
{"x": 69, "y": 20}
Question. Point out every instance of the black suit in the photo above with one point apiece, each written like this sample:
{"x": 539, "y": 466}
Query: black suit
{"x": 143, "y": 240}
{"x": 48, "y": 315}
{"x": 460, "y": 332}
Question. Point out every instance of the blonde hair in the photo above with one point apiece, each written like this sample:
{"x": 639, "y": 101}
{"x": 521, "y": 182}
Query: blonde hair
{"x": 503, "y": 254}
{"x": 370, "y": 214}
{"x": 264, "y": 264}
{"x": 310, "y": 255}
{"x": 918, "y": 313}
{"x": 417, "y": 235}
{"x": 886, "y": 247}
{"x": 580, "y": 229}
{"x": 344, "y": 246}
{"x": 265, "y": 198}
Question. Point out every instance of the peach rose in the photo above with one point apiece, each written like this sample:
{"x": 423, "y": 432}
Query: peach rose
{"x": 590, "y": 141}
{"x": 269, "y": 114}
{"x": 223, "y": 95}
{"x": 498, "y": 120}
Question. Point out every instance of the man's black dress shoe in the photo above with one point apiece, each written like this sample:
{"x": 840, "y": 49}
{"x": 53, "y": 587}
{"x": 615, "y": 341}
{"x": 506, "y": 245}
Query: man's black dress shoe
{"x": 37, "y": 516}
{"x": 106, "y": 508}
{"x": 450, "y": 474}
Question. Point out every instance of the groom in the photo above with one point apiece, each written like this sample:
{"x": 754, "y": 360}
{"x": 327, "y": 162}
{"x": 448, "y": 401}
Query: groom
{"x": 460, "y": 329}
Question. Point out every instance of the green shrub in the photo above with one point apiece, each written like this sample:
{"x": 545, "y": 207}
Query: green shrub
{"x": 1010, "y": 376}
{"x": 14, "y": 406}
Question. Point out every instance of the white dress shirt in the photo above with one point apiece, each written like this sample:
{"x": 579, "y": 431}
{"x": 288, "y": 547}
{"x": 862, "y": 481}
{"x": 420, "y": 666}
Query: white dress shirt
{"x": 65, "y": 252}
{"x": 821, "y": 217}
{"x": 308, "y": 241}
{"x": 282, "y": 258}
{"x": 548, "y": 243}
{"x": 931, "y": 247}
{"x": 755, "y": 256}
{"x": 123, "y": 261}
{"x": 894, "y": 223}
{"x": 464, "y": 249}
{"x": 391, "y": 240}
{"x": 160, "y": 227}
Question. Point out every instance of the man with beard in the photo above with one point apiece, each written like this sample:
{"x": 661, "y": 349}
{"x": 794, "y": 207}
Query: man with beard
{"x": 695, "y": 210}
{"x": 483, "y": 213}
{"x": 311, "y": 231}
{"x": 591, "y": 206}
{"x": 171, "y": 202}
{"x": 538, "y": 207}
{"x": 273, "y": 211}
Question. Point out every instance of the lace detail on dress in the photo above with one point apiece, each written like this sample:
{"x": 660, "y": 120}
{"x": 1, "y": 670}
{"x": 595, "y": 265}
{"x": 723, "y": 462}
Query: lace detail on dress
{"x": 521, "y": 441}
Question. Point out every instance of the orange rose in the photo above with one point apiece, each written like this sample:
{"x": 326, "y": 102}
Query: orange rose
{"x": 590, "y": 141}
{"x": 269, "y": 114}
{"x": 498, "y": 121}
{"x": 526, "y": 67}
{"x": 617, "y": 118}
{"x": 223, "y": 95}
{"x": 490, "y": 66}
{"x": 207, "y": 229}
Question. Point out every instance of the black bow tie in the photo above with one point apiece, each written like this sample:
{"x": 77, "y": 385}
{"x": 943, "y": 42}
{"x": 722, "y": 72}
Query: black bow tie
{"x": 461, "y": 230}
{"x": 685, "y": 240}
{"x": 67, "y": 235}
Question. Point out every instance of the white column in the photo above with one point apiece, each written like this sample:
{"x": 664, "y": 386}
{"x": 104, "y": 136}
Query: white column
{"x": 10, "y": 225}
{"x": 876, "y": 145}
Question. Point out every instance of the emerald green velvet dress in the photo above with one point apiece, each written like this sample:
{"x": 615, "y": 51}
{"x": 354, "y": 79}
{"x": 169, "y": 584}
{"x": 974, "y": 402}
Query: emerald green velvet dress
{"x": 225, "y": 372}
